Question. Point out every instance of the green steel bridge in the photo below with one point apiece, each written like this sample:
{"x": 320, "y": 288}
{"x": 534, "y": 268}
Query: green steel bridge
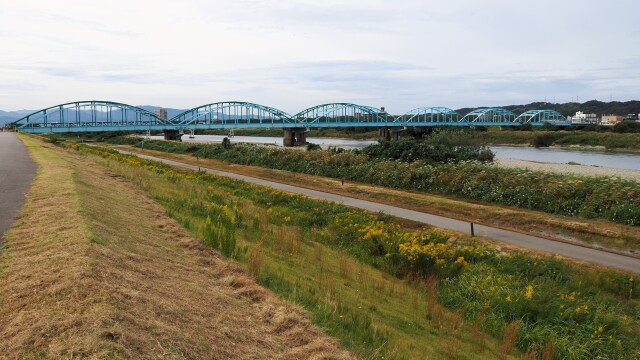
{"x": 96, "y": 116}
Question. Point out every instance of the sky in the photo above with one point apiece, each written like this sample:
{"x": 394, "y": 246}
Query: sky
{"x": 291, "y": 55}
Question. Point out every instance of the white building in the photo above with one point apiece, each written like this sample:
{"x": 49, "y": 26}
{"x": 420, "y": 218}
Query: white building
{"x": 582, "y": 118}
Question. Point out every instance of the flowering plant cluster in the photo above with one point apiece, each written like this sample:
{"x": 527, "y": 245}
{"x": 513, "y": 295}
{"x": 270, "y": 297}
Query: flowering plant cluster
{"x": 416, "y": 251}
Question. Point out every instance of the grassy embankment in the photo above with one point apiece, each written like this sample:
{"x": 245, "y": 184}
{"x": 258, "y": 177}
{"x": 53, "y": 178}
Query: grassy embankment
{"x": 579, "y": 198}
{"x": 94, "y": 269}
{"x": 298, "y": 248}
{"x": 590, "y": 231}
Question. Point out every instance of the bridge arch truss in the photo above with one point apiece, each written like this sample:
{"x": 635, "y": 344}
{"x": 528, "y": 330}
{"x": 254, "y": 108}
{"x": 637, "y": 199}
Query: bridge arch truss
{"x": 342, "y": 115}
{"x": 497, "y": 116}
{"x": 231, "y": 114}
{"x": 429, "y": 116}
{"x": 92, "y": 115}
{"x": 540, "y": 117}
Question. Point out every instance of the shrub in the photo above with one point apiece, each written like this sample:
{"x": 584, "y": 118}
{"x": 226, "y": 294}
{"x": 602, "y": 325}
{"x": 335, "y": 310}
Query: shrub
{"x": 441, "y": 147}
{"x": 313, "y": 147}
{"x": 543, "y": 140}
{"x": 627, "y": 127}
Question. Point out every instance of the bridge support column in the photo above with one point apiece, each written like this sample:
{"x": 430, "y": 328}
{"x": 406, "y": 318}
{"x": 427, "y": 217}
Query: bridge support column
{"x": 173, "y": 135}
{"x": 294, "y": 137}
{"x": 389, "y": 134}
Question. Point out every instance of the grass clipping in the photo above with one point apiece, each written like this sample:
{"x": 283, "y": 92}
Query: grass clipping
{"x": 93, "y": 268}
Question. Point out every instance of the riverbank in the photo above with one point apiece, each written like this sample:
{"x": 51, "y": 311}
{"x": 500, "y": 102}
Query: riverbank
{"x": 572, "y": 169}
{"x": 565, "y": 139}
{"x": 94, "y": 268}
{"x": 494, "y": 292}
{"x": 621, "y": 238}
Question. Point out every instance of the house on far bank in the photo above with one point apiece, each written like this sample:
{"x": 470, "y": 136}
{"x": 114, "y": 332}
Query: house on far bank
{"x": 582, "y": 118}
{"x": 611, "y": 119}
{"x": 632, "y": 117}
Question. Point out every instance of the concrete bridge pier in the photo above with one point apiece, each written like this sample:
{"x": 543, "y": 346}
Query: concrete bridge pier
{"x": 294, "y": 137}
{"x": 389, "y": 134}
{"x": 172, "y": 135}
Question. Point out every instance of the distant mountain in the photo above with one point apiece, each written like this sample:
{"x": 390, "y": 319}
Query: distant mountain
{"x": 11, "y": 116}
{"x": 591, "y": 107}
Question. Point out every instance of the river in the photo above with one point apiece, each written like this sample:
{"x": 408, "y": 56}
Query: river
{"x": 616, "y": 160}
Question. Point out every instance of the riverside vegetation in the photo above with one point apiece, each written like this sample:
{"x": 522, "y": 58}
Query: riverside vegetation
{"x": 606, "y": 198}
{"x": 625, "y": 135}
{"x": 321, "y": 255}
{"x": 592, "y": 136}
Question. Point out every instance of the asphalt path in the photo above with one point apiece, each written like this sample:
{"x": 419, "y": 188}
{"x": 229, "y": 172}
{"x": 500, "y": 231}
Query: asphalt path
{"x": 577, "y": 252}
{"x": 16, "y": 173}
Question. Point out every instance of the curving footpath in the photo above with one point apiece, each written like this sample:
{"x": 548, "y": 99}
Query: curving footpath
{"x": 577, "y": 252}
{"x": 16, "y": 173}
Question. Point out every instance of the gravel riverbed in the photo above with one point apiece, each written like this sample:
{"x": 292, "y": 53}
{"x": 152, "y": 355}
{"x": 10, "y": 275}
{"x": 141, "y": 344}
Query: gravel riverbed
{"x": 582, "y": 170}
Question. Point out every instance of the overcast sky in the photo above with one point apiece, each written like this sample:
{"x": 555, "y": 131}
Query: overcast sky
{"x": 294, "y": 54}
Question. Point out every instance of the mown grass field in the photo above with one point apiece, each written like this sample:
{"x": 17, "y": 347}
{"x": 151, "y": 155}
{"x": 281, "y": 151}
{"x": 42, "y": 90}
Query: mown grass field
{"x": 93, "y": 268}
{"x": 402, "y": 293}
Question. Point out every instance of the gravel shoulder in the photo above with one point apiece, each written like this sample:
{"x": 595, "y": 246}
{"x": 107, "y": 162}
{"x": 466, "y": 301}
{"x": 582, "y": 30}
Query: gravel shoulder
{"x": 582, "y": 170}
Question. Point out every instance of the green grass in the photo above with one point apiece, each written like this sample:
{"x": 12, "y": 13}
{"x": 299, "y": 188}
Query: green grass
{"x": 327, "y": 258}
{"x": 570, "y": 195}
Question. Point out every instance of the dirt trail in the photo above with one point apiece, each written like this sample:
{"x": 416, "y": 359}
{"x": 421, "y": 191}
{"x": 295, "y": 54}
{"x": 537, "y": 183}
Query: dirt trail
{"x": 95, "y": 269}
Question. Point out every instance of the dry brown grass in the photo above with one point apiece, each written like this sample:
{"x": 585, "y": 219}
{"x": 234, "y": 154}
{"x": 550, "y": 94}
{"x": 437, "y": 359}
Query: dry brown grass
{"x": 509, "y": 338}
{"x": 254, "y": 262}
{"x": 547, "y": 351}
{"x": 346, "y": 268}
{"x": 93, "y": 268}
{"x": 477, "y": 336}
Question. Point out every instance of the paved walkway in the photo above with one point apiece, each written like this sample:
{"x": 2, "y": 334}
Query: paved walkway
{"x": 509, "y": 237}
{"x": 16, "y": 173}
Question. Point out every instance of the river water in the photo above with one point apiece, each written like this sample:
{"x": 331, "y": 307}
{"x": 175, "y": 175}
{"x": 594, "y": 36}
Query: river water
{"x": 616, "y": 160}
{"x": 272, "y": 140}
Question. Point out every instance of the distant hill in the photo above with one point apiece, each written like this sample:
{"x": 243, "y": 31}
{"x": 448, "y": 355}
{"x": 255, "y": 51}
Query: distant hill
{"x": 11, "y": 116}
{"x": 592, "y": 107}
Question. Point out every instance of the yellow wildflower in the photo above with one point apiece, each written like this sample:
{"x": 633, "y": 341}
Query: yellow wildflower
{"x": 528, "y": 293}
